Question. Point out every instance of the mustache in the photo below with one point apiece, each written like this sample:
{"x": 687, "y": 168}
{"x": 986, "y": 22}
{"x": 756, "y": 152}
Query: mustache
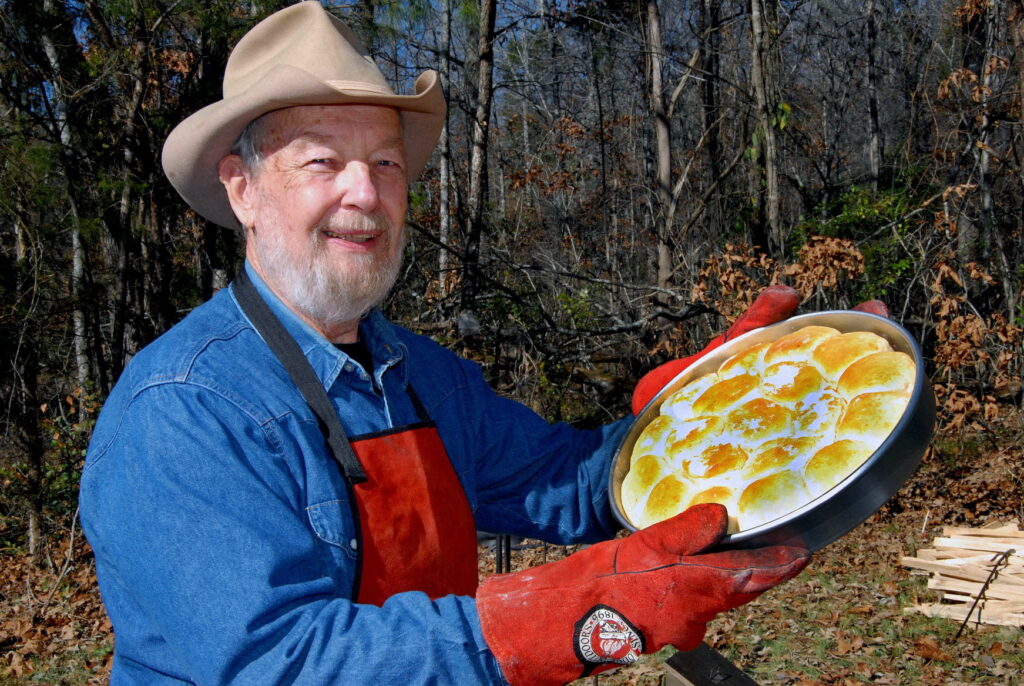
{"x": 375, "y": 221}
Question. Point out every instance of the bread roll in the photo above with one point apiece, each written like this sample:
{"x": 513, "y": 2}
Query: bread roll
{"x": 669, "y": 497}
{"x": 835, "y": 354}
{"x": 779, "y": 454}
{"x": 691, "y": 437}
{"x": 791, "y": 382}
{"x": 636, "y": 486}
{"x": 758, "y": 420}
{"x": 884, "y": 371}
{"x": 655, "y": 438}
{"x": 680, "y": 403}
{"x": 817, "y": 415}
{"x": 771, "y": 497}
{"x": 716, "y": 460}
{"x": 798, "y": 344}
{"x": 833, "y": 463}
{"x": 775, "y": 425}
{"x": 871, "y": 417}
{"x": 725, "y": 393}
{"x": 750, "y": 361}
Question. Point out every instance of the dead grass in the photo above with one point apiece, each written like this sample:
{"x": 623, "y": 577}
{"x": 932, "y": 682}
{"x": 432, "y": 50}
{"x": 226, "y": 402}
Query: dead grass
{"x": 839, "y": 623}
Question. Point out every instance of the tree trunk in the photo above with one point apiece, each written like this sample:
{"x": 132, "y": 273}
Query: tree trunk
{"x": 764, "y": 76}
{"x": 478, "y": 160}
{"x": 710, "y": 32}
{"x": 63, "y": 127}
{"x": 444, "y": 274}
{"x": 25, "y": 368}
{"x": 875, "y": 135}
{"x": 663, "y": 144}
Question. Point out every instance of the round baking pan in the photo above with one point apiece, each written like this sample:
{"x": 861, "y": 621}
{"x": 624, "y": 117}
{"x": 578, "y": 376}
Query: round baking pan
{"x": 836, "y": 512}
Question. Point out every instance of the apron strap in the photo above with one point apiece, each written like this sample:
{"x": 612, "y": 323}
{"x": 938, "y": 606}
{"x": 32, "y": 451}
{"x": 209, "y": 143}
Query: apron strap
{"x": 301, "y": 372}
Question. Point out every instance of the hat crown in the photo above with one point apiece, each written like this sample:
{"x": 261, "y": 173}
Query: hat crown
{"x": 307, "y": 37}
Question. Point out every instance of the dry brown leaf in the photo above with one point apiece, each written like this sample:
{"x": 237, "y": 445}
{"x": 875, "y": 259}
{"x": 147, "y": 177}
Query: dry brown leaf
{"x": 929, "y": 649}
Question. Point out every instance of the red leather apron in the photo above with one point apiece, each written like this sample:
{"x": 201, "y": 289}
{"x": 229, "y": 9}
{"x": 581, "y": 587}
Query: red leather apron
{"x": 416, "y": 527}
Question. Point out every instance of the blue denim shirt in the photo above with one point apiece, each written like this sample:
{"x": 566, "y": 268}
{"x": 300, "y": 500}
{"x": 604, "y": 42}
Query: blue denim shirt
{"x": 221, "y": 525}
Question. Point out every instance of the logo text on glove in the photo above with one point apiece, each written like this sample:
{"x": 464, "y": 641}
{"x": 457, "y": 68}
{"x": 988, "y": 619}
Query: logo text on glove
{"x": 603, "y": 635}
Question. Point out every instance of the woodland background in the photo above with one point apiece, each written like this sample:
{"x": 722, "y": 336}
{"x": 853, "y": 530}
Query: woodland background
{"x": 616, "y": 182}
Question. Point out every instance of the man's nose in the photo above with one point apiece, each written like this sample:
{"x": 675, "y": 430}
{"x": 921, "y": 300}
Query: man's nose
{"x": 357, "y": 187}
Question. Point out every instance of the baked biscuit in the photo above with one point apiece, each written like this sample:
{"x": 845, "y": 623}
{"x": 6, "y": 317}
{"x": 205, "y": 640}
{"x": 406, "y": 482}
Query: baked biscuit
{"x": 776, "y": 425}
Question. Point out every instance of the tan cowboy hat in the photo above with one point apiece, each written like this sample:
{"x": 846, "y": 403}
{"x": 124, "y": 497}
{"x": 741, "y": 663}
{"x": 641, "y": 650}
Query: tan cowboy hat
{"x": 301, "y": 55}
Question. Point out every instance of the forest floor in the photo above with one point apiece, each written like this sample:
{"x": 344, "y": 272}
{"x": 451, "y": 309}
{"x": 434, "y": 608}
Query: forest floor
{"x": 841, "y": 622}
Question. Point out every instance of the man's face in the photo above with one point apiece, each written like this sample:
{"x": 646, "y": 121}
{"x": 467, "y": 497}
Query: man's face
{"x": 325, "y": 209}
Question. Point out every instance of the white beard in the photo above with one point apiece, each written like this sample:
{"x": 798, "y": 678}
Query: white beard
{"x": 320, "y": 290}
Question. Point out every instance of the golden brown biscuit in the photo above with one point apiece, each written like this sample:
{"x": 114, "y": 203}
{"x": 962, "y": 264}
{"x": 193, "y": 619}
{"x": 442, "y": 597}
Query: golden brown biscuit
{"x": 833, "y": 463}
{"x": 884, "y": 371}
{"x": 798, "y": 344}
{"x": 779, "y": 422}
{"x": 680, "y": 403}
{"x": 871, "y": 417}
{"x": 750, "y": 361}
{"x": 655, "y": 437}
{"x": 771, "y": 497}
{"x": 668, "y": 498}
{"x": 818, "y": 415}
{"x": 779, "y": 454}
{"x": 758, "y": 420}
{"x": 833, "y": 355}
{"x": 724, "y": 394}
{"x": 646, "y": 471}
{"x": 791, "y": 381}
{"x": 692, "y": 436}
{"x": 715, "y": 460}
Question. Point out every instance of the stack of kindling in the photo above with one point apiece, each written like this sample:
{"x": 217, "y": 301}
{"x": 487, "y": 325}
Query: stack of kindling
{"x": 961, "y": 564}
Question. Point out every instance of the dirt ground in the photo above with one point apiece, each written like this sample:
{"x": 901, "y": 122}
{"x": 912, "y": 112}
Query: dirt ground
{"x": 841, "y": 622}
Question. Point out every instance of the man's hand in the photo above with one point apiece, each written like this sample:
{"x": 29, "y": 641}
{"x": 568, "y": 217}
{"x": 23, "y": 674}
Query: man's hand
{"x": 605, "y": 605}
{"x": 774, "y": 304}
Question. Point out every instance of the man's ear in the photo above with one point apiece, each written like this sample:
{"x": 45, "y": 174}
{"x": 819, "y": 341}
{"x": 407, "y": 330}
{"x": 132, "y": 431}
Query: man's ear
{"x": 237, "y": 183}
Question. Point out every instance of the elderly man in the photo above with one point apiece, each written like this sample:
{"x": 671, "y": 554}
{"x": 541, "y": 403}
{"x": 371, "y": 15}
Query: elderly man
{"x": 285, "y": 487}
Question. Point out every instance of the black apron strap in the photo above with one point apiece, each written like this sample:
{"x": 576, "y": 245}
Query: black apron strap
{"x": 301, "y": 372}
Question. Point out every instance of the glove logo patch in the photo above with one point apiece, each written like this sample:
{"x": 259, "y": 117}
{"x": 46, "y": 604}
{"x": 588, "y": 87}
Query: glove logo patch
{"x": 603, "y": 635}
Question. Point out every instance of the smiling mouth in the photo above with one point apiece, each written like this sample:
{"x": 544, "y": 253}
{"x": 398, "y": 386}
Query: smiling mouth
{"x": 352, "y": 237}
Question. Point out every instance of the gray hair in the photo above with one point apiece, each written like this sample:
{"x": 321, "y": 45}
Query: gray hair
{"x": 249, "y": 145}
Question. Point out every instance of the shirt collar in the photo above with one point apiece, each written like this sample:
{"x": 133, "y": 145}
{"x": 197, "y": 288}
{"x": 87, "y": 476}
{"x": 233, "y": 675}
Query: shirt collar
{"x": 326, "y": 359}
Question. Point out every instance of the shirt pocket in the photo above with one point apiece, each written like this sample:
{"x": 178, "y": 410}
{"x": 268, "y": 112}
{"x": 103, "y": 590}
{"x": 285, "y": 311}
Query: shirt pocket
{"x": 333, "y": 523}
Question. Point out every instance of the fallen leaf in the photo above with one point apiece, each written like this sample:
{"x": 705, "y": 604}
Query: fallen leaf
{"x": 929, "y": 649}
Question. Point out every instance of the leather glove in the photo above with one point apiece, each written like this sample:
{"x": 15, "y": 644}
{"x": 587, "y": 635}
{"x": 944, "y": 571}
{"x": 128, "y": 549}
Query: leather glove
{"x": 605, "y": 605}
{"x": 873, "y": 307}
{"x": 772, "y": 305}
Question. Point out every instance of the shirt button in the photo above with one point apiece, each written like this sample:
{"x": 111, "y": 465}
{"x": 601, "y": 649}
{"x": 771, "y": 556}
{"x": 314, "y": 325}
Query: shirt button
{"x": 349, "y": 366}
{"x": 353, "y": 544}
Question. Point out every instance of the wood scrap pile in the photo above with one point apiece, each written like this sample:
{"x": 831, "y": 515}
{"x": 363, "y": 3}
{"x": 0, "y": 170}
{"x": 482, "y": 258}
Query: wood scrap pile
{"x": 975, "y": 574}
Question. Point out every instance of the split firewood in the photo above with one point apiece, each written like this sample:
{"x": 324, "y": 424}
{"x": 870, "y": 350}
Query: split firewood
{"x": 977, "y": 573}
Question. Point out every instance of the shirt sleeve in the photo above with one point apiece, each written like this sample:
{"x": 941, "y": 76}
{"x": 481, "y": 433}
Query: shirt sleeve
{"x": 524, "y": 475}
{"x": 205, "y": 554}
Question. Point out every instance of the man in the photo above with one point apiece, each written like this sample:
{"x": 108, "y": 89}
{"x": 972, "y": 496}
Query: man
{"x": 285, "y": 487}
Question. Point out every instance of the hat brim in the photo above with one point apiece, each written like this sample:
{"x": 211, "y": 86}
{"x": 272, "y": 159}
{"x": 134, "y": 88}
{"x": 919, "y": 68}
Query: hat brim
{"x": 194, "y": 149}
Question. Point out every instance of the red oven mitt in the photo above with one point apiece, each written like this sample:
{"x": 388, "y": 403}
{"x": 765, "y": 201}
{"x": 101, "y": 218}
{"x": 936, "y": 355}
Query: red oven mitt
{"x": 605, "y": 605}
{"x": 774, "y": 304}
